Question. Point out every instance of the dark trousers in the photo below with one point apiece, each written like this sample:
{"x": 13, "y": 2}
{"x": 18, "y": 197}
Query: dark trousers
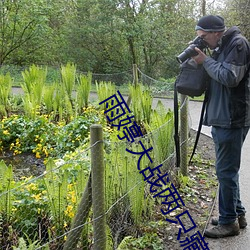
{"x": 228, "y": 145}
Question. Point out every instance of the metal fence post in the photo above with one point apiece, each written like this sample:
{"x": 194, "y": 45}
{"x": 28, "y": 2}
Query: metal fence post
{"x": 184, "y": 135}
{"x": 98, "y": 194}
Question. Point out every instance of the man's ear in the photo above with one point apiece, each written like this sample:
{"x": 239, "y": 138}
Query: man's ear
{"x": 219, "y": 34}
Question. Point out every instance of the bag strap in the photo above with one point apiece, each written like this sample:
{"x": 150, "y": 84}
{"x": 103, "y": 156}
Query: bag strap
{"x": 199, "y": 127}
{"x": 176, "y": 127}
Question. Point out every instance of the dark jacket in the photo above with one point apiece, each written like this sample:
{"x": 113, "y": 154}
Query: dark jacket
{"x": 229, "y": 90}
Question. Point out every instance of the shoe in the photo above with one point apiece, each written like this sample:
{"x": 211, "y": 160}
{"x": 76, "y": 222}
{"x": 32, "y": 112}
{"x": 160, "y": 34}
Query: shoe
{"x": 221, "y": 231}
{"x": 241, "y": 219}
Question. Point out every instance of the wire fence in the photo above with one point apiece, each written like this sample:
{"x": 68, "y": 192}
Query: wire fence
{"x": 42, "y": 208}
{"x": 55, "y": 210}
{"x": 161, "y": 87}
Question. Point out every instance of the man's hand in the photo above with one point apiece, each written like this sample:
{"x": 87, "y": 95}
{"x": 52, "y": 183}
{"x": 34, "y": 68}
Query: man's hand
{"x": 200, "y": 58}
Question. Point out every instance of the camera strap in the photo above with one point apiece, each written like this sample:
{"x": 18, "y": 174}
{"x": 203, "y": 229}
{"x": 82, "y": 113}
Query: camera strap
{"x": 199, "y": 127}
{"x": 176, "y": 127}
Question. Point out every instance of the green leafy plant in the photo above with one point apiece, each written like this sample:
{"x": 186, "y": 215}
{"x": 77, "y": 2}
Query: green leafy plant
{"x": 30, "y": 208}
{"x": 141, "y": 103}
{"x": 23, "y": 245}
{"x": 160, "y": 131}
{"x": 48, "y": 98}
{"x": 56, "y": 184}
{"x": 149, "y": 241}
{"x": 58, "y": 102}
{"x": 55, "y": 196}
{"x": 5, "y": 90}
{"x": 104, "y": 91}
{"x": 83, "y": 91}
{"x": 6, "y": 204}
{"x": 6, "y": 184}
{"x": 68, "y": 74}
{"x": 22, "y": 134}
{"x": 43, "y": 137}
{"x": 123, "y": 181}
{"x": 184, "y": 181}
{"x": 62, "y": 104}
{"x": 34, "y": 81}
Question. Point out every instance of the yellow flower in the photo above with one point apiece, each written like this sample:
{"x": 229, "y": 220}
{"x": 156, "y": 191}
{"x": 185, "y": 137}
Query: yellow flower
{"x": 45, "y": 151}
{"x": 38, "y": 155}
{"x": 6, "y": 132}
{"x": 37, "y": 196}
{"x": 73, "y": 199}
{"x": 31, "y": 187}
{"x": 16, "y": 152}
{"x": 26, "y": 178}
{"x": 69, "y": 211}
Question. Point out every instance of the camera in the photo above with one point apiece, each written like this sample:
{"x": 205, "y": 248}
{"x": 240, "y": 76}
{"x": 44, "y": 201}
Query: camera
{"x": 190, "y": 51}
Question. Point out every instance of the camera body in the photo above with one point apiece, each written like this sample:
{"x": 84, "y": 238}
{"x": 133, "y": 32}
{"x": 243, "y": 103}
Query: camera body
{"x": 190, "y": 51}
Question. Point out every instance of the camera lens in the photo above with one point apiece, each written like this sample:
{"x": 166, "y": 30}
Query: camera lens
{"x": 190, "y": 51}
{"x": 187, "y": 53}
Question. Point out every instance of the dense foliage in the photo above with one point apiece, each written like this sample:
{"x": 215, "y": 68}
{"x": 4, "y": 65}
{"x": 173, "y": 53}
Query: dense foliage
{"x": 50, "y": 122}
{"x": 106, "y": 36}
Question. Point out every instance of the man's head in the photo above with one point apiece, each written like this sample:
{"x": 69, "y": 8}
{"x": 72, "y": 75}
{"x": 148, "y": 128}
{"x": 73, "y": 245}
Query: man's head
{"x": 211, "y": 29}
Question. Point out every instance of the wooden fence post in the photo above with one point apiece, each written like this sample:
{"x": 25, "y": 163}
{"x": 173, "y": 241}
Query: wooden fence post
{"x": 135, "y": 74}
{"x": 135, "y": 81}
{"x": 98, "y": 194}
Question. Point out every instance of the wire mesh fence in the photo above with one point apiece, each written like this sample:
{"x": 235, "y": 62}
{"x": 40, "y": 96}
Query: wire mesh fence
{"x": 41, "y": 210}
{"x": 162, "y": 87}
{"x": 55, "y": 209}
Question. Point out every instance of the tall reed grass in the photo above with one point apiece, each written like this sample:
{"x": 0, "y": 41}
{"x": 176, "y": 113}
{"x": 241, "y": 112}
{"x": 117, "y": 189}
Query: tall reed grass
{"x": 141, "y": 102}
{"x": 5, "y": 91}
{"x": 83, "y": 91}
{"x": 34, "y": 80}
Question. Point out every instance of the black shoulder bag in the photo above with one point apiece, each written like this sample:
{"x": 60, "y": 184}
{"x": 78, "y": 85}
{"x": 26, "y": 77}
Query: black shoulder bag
{"x": 192, "y": 79}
